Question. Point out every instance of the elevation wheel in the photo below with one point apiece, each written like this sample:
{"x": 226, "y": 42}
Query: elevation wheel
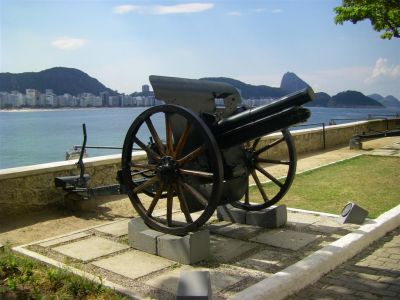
{"x": 272, "y": 168}
{"x": 176, "y": 186}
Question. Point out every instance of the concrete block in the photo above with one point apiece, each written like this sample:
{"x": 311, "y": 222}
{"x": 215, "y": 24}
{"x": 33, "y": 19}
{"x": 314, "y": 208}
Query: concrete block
{"x": 141, "y": 237}
{"x": 269, "y": 218}
{"x": 194, "y": 285}
{"x": 188, "y": 249}
{"x": 231, "y": 214}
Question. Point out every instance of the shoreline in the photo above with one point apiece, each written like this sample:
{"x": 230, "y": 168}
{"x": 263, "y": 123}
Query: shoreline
{"x": 63, "y": 109}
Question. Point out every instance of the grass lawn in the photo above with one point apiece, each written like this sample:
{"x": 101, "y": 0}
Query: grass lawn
{"x": 372, "y": 182}
{"x": 24, "y": 278}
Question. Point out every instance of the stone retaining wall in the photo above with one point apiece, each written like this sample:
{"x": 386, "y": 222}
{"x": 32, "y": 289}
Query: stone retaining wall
{"x": 32, "y": 187}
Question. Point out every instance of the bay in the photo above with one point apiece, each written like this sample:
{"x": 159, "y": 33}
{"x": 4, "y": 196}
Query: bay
{"x": 34, "y": 137}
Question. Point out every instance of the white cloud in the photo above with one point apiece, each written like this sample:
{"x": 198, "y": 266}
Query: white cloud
{"x": 123, "y": 9}
{"x": 258, "y": 10}
{"x": 276, "y": 11}
{"x": 382, "y": 70}
{"x": 181, "y": 8}
{"x": 69, "y": 43}
{"x": 234, "y": 13}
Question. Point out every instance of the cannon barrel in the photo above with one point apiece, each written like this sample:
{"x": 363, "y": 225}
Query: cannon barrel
{"x": 259, "y": 121}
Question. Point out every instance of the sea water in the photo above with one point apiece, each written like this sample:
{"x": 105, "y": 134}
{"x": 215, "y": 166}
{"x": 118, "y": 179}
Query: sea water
{"x": 34, "y": 137}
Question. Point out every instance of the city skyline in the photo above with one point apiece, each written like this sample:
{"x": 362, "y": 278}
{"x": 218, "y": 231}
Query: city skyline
{"x": 121, "y": 43}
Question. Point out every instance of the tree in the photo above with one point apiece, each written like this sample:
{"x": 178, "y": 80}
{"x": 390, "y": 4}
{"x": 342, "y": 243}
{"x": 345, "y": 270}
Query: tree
{"x": 383, "y": 14}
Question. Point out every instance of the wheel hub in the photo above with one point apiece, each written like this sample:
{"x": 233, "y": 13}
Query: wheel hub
{"x": 167, "y": 169}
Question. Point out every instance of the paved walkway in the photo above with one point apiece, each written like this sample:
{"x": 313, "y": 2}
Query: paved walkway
{"x": 372, "y": 274}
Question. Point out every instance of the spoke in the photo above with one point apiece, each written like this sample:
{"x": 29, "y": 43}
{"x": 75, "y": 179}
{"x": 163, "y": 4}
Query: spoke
{"x": 182, "y": 140}
{"x": 269, "y": 176}
{"x": 143, "y": 166}
{"x": 147, "y": 149}
{"x": 168, "y": 134}
{"x": 197, "y": 195}
{"x": 155, "y": 200}
{"x": 269, "y": 146}
{"x": 155, "y": 136}
{"x": 145, "y": 184}
{"x": 273, "y": 161}
{"x": 246, "y": 196}
{"x": 196, "y": 173}
{"x": 191, "y": 155}
{"x": 255, "y": 144}
{"x": 259, "y": 185}
{"x": 183, "y": 203}
{"x": 169, "y": 206}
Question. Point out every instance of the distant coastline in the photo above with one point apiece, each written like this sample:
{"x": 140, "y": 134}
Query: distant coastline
{"x": 64, "y": 109}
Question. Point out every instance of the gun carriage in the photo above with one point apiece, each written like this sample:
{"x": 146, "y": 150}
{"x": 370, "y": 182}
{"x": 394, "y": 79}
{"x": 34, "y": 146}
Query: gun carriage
{"x": 199, "y": 156}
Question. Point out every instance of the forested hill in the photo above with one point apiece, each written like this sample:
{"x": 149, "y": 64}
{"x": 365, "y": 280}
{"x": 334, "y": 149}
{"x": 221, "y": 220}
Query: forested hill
{"x": 352, "y": 99}
{"x": 61, "y": 80}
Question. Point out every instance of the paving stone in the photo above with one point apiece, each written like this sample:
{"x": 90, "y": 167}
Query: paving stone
{"x": 169, "y": 281}
{"x": 326, "y": 225}
{"x": 286, "y": 239}
{"x": 268, "y": 218}
{"x": 64, "y": 239}
{"x": 133, "y": 264}
{"x": 194, "y": 285}
{"x": 189, "y": 249}
{"x": 90, "y": 248}
{"x": 232, "y": 214}
{"x": 266, "y": 261}
{"x": 117, "y": 229}
{"x": 302, "y": 219}
{"x": 235, "y": 230}
{"x": 225, "y": 249}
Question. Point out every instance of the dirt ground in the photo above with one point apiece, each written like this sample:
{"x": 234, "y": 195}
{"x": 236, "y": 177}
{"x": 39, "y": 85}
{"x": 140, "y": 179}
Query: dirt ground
{"x": 38, "y": 225}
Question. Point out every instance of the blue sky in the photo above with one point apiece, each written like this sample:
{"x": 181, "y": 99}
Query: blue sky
{"x": 121, "y": 43}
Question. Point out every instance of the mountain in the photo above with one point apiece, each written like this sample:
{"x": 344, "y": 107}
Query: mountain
{"x": 376, "y": 97}
{"x": 390, "y": 101}
{"x": 352, "y": 99}
{"x": 249, "y": 91}
{"x": 321, "y": 99}
{"x": 61, "y": 80}
{"x": 291, "y": 83}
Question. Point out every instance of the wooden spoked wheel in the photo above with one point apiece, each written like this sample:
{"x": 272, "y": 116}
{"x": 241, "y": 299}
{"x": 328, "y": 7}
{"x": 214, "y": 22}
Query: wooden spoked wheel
{"x": 271, "y": 169}
{"x": 182, "y": 169}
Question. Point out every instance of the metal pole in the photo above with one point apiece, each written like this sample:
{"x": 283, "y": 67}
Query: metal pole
{"x": 323, "y": 133}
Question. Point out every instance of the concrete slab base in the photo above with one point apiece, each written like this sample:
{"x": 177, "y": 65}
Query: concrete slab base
{"x": 90, "y": 248}
{"x": 188, "y": 249}
{"x": 286, "y": 239}
{"x": 133, "y": 264}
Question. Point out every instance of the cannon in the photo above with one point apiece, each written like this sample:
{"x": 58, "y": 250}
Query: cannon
{"x": 199, "y": 156}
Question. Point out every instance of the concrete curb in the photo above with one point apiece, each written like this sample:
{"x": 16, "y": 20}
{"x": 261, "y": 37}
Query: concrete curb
{"x": 310, "y": 269}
